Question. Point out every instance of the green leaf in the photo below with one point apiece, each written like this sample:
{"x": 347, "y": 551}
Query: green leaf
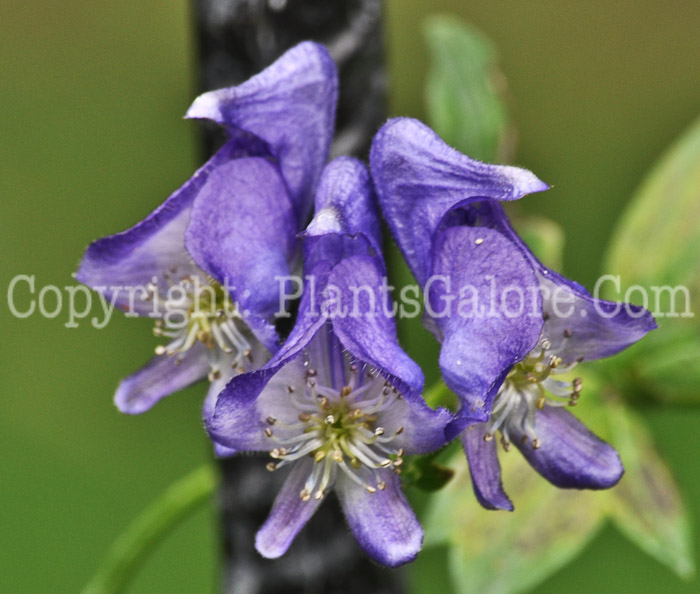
{"x": 426, "y": 474}
{"x": 434, "y": 477}
{"x": 658, "y": 238}
{"x": 544, "y": 237}
{"x": 464, "y": 90}
{"x": 656, "y": 252}
{"x": 664, "y": 366}
{"x": 669, "y": 367}
{"x": 646, "y": 505}
{"x": 494, "y": 552}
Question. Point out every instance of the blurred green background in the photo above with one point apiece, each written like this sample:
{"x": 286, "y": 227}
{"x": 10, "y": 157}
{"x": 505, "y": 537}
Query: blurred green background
{"x": 91, "y": 139}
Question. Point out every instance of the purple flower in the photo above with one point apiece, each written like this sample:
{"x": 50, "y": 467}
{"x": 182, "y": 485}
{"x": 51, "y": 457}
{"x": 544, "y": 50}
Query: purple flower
{"x": 340, "y": 403}
{"x": 204, "y": 262}
{"x": 507, "y": 324}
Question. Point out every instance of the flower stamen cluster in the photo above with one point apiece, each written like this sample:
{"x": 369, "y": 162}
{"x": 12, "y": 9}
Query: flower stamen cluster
{"x": 338, "y": 428}
{"x": 200, "y": 311}
{"x": 529, "y": 387}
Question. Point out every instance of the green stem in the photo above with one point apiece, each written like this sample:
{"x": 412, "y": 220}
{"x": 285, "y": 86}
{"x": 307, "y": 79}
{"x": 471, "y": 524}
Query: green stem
{"x": 131, "y": 548}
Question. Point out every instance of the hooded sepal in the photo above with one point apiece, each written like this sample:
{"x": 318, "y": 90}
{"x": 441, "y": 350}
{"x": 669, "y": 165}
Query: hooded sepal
{"x": 290, "y": 106}
{"x": 419, "y": 179}
{"x": 578, "y": 325}
{"x": 242, "y": 232}
{"x": 153, "y": 248}
{"x": 485, "y": 303}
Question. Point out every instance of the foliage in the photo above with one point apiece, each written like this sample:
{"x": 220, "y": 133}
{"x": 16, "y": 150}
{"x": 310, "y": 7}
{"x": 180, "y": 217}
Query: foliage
{"x": 464, "y": 90}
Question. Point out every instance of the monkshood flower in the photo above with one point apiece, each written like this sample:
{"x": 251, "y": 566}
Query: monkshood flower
{"x": 340, "y": 403}
{"x": 204, "y": 262}
{"x": 507, "y": 323}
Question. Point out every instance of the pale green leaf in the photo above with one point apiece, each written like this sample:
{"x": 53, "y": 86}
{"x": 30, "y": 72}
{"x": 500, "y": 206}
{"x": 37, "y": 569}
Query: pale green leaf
{"x": 668, "y": 368}
{"x": 464, "y": 90}
{"x": 656, "y": 253}
{"x": 496, "y": 552}
{"x": 646, "y": 505}
{"x": 658, "y": 238}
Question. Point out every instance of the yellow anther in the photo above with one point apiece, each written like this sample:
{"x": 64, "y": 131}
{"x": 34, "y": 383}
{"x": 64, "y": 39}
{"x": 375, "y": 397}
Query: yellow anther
{"x": 554, "y": 361}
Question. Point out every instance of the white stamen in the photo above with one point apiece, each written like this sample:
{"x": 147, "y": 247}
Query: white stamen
{"x": 209, "y": 317}
{"x": 529, "y": 387}
{"x": 339, "y": 425}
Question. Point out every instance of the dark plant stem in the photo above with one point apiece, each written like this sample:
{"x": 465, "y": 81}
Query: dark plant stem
{"x": 238, "y": 38}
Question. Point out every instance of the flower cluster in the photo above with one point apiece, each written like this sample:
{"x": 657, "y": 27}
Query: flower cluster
{"x": 338, "y": 404}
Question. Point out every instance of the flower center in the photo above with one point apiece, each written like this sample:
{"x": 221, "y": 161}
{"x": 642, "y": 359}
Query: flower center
{"x": 339, "y": 428}
{"x": 529, "y": 387}
{"x": 197, "y": 310}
